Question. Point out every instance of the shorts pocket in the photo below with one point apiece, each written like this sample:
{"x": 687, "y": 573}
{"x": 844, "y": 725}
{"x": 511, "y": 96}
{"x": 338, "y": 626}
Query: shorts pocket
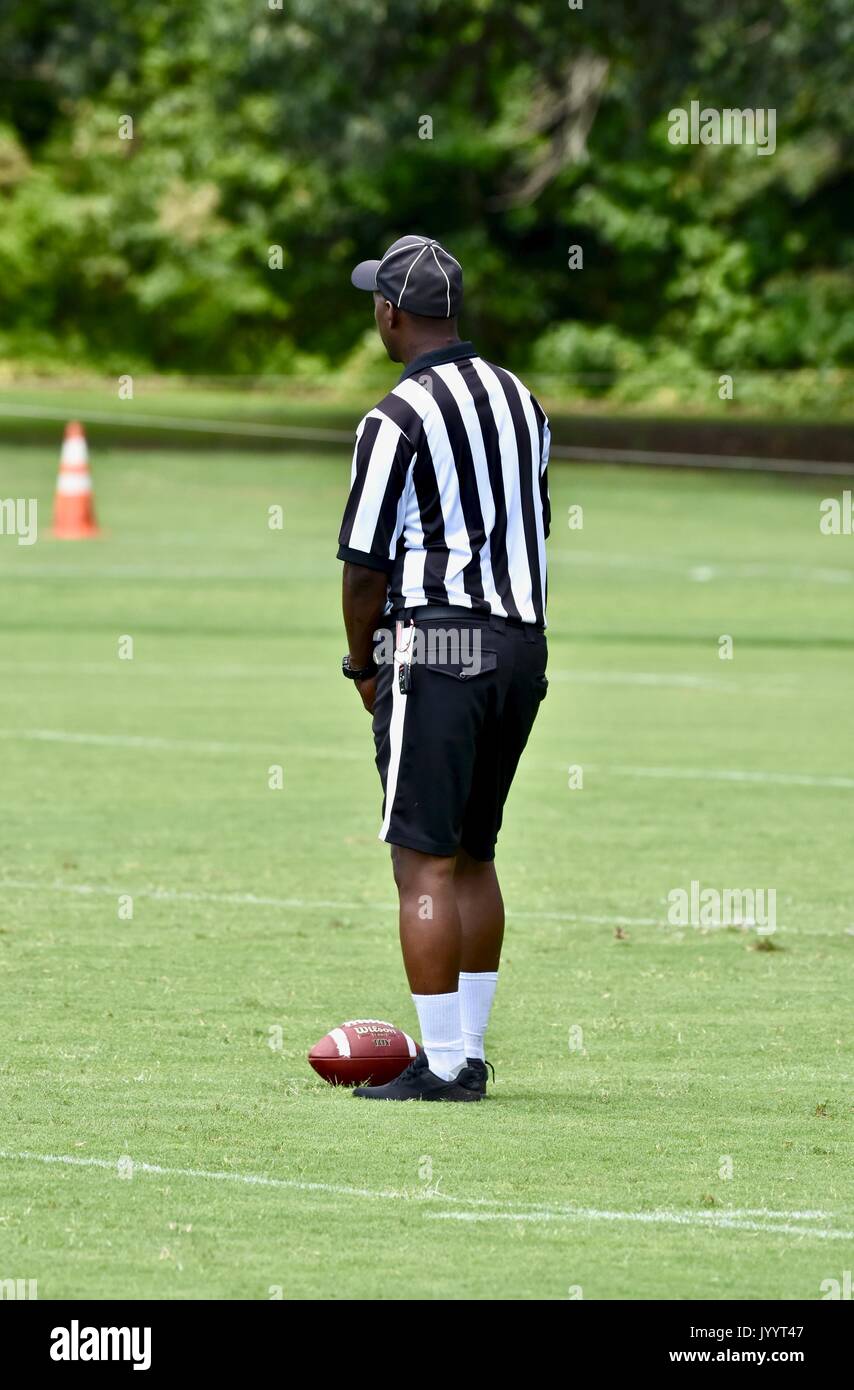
{"x": 541, "y": 684}
{"x": 477, "y": 665}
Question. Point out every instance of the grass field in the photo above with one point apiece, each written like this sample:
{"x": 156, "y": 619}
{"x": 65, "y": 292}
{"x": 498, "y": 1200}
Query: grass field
{"x": 602, "y": 1162}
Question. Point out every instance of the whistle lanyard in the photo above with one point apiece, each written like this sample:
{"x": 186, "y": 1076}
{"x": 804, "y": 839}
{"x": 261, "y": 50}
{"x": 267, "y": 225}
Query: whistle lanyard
{"x": 403, "y": 652}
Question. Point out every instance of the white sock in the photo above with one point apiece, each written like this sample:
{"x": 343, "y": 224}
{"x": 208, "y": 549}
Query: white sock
{"x": 477, "y": 991}
{"x": 441, "y": 1032}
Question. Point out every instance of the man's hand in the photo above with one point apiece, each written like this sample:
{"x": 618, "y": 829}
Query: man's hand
{"x": 368, "y": 691}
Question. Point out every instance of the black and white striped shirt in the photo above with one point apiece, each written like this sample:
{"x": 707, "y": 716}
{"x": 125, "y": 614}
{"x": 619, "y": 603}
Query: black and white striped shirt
{"x": 449, "y": 490}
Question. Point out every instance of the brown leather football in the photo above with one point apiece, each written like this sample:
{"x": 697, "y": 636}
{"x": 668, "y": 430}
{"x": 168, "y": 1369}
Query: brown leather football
{"x": 365, "y": 1051}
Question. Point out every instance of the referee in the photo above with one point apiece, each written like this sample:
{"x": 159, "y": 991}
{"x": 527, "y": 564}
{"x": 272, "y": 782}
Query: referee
{"x": 444, "y": 597}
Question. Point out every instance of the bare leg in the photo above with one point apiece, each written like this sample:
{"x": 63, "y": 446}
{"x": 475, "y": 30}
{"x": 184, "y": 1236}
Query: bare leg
{"x": 481, "y": 912}
{"x": 430, "y": 933}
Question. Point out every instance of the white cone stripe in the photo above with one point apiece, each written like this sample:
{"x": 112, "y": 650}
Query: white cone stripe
{"x": 395, "y": 733}
{"x": 74, "y": 452}
{"x": 342, "y": 1042}
{"x": 73, "y": 485}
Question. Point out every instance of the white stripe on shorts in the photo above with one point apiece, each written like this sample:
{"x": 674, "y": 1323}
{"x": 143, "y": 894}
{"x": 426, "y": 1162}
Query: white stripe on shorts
{"x": 395, "y": 736}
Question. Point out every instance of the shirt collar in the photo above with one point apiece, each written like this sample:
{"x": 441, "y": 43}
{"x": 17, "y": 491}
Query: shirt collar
{"x": 452, "y": 353}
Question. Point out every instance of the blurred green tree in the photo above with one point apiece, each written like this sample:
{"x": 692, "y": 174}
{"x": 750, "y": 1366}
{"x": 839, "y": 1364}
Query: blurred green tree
{"x": 258, "y": 126}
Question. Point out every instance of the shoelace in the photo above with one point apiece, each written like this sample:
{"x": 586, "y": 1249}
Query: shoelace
{"x": 415, "y": 1065}
{"x": 484, "y": 1064}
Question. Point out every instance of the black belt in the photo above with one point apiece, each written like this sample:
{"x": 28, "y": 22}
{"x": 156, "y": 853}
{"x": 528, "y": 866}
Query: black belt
{"x": 455, "y": 612}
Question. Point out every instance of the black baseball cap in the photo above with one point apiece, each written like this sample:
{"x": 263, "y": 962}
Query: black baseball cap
{"x": 416, "y": 274}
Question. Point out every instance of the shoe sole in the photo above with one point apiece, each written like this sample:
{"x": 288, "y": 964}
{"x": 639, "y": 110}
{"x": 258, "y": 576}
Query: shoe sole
{"x": 466, "y": 1096}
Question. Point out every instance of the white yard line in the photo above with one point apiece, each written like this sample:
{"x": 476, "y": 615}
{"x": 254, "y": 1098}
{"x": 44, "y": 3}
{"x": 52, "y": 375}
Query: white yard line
{"x": 703, "y": 571}
{"x": 175, "y": 745}
{"x": 664, "y": 679}
{"x": 698, "y": 573}
{"x": 87, "y": 573}
{"x": 680, "y": 680}
{"x": 133, "y": 670}
{"x": 292, "y": 904}
{"x": 508, "y": 1210}
{"x": 699, "y": 774}
{"x": 180, "y": 896}
{"x": 711, "y": 1221}
{"x": 142, "y": 741}
{"x": 170, "y": 895}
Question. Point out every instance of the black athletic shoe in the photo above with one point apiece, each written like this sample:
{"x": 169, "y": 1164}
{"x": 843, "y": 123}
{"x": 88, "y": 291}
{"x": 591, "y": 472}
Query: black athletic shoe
{"x": 478, "y": 1068}
{"x": 418, "y": 1082}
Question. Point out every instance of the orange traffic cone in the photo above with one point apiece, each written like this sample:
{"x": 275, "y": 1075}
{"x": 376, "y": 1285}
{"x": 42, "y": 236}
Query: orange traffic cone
{"x": 73, "y": 510}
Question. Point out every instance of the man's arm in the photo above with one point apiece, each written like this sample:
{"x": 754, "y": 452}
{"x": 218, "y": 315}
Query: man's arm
{"x": 367, "y": 541}
{"x": 363, "y": 600}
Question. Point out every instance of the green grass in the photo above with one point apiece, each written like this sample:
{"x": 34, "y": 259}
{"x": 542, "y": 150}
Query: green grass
{"x": 150, "y": 1037}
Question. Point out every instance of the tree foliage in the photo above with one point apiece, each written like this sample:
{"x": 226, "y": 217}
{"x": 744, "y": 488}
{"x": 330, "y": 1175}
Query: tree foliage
{"x": 301, "y": 127}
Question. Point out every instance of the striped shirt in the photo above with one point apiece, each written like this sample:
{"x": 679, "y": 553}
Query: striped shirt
{"x": 449, "y": 489}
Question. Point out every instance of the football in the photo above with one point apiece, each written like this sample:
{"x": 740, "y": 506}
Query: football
{"x": 365, "y": 1051}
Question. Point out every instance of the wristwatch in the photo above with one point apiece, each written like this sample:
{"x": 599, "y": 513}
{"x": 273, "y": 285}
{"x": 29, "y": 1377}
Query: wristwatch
{"x": 357, "y": 673}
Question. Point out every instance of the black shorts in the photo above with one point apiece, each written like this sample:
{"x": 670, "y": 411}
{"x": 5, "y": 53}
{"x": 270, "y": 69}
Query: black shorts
{"x": 448, "y": 749}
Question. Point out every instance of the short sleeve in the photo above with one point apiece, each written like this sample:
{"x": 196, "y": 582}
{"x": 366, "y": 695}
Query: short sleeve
{"x": 373, "y": 517}
{"x": 545, "y": 445}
